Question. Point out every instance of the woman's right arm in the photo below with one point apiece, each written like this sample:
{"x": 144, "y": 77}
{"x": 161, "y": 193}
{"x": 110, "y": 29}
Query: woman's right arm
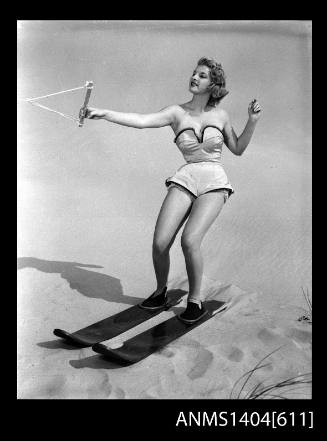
{"x": 164, "y": 117}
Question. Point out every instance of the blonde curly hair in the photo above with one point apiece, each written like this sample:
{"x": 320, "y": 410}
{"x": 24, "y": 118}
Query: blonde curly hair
{"x": 218, "y": 77}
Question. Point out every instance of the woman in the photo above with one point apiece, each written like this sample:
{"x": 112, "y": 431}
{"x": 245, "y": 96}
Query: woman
{"x": 199, "y": 189}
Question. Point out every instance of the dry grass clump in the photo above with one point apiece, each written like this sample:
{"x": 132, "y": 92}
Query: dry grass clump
{"x": 308, "y": 315}
{"x": 292, "y": 387}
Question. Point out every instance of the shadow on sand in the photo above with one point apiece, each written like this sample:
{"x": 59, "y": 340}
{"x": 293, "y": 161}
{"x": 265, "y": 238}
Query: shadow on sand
{"x": 96, "y": 362}
{"x": 88, "y": 283}
{"x": 57, "y": 344}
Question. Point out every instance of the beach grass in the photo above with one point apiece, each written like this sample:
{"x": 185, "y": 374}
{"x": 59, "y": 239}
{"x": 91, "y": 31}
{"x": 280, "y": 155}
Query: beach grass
{"x": 308, "y": 314}
{"x": 291, "y": 387}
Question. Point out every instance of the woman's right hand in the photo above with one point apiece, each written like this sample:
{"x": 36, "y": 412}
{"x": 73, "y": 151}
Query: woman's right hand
{"x": 93, "y": 113}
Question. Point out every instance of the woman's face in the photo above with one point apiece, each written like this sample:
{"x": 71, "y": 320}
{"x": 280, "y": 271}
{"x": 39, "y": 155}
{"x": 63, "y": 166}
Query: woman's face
{"x": 200, "y": 80}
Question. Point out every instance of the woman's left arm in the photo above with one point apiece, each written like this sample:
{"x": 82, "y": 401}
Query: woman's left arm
{"x": 237, "y": 145}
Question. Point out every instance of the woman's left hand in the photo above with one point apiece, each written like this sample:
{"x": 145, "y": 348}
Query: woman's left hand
{"x": 254, "y": 110}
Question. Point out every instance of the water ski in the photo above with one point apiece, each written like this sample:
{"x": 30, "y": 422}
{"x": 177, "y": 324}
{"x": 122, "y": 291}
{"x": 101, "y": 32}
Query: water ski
{"x": 142, "y": 345}
{"x": 117, "y": 324}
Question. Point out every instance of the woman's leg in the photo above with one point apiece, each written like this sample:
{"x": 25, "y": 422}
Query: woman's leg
{"x": 204, "y": 211}
{"x": 173, "y": 213}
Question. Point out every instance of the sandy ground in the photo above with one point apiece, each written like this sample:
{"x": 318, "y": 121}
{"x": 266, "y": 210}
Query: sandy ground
{"x": 88, "y": 200}
{"x": 205, "y": 363}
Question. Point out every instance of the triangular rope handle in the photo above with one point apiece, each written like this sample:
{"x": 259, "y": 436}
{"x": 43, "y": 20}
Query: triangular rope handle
{"x": 80, "y": 120}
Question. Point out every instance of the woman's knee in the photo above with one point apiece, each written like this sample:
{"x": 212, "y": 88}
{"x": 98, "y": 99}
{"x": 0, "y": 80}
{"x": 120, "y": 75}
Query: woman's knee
{"x": 190, "y": 242}
{"x": 160, "y": 246}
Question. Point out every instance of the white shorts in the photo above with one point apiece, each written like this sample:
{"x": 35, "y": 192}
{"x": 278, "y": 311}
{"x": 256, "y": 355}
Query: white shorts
{"x": 201, "y": 177}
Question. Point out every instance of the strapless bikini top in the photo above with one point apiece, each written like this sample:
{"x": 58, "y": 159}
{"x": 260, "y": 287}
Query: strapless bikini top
{"x": 207, "y": 147}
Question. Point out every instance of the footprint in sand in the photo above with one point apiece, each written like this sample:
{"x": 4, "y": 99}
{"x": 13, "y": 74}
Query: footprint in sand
{"x": 119, "y": 393}
{"x": 99, "y": 386}
{"x": 266, "y": 336}
{"x": 167, "y": 352}
{"x": 236, "y": 355}
{"x": 202, "y": 362}
{"x": 299, "y": 335}
{"x": 54, "y": 387}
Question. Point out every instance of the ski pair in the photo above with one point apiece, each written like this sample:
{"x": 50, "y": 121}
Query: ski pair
{"x": 118, "y": 323}
{"x": 143, "y": 344}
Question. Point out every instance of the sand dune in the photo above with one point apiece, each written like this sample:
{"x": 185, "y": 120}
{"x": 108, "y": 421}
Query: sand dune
{"x": 88, "y": 200}
{"x": 205, "y": 363}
